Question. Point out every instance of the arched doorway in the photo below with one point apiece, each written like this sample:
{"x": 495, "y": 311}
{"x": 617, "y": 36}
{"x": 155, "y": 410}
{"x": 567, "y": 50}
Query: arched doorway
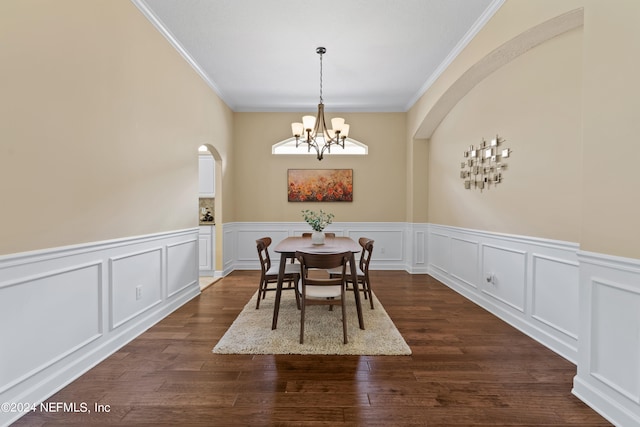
{"x": 210, "y": 214}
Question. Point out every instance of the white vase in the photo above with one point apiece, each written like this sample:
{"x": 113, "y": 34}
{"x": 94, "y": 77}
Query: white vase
{"x": 317, "y": 238}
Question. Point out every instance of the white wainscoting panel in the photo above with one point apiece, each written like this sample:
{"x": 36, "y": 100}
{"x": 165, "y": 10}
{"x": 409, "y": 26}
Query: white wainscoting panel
{"x": 247, "y": 251}
{"x": 388, "y": 244}
{"x": 181, "y": 274}
{"x": 417, "y": 248}
{"x": 614, "y": 357}
{"x": 608, "y": 376}
{"x": 463, "y": 259}
{"x": 135, "y": 284}
{"x": 63, "y": 310}
{"x": 229, "y": 248}
{"x": 29, "y": 314}
{"x": 439, "y": 251}
{"x": 504, "y": 270}
{"x": 420, "y": 248}
{"x": 464, "y": 263}
{"x": 391, "y": 248}
{"x": 555, "y": 303}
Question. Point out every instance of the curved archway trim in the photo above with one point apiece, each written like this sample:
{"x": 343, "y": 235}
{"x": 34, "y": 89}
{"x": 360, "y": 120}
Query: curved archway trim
{"x": 494, "y": 60}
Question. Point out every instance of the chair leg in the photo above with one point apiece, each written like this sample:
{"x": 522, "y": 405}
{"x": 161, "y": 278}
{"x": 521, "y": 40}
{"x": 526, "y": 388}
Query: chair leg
{"x": 297, "y": 295}
{"x": 367, "y": 289}
{"x": 302, "y": 323}
{"x": 261, "y": 292}
{"x": 344, "y": 320}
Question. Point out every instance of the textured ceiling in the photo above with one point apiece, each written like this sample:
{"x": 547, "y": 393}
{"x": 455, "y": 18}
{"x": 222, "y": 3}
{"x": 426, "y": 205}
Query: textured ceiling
{"x": 261, "y": 55}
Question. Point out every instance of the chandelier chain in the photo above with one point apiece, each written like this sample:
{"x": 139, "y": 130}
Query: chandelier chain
{"x": 320, "y": 78}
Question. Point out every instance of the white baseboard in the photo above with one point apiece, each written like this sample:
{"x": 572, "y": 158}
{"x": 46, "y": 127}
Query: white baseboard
{"x": 64, "y": 310}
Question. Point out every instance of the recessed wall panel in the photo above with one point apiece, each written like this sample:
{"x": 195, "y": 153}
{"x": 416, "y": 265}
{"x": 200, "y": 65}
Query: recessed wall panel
{"x": 136, "y": 284}
{"x": 44, "y": 318}
{"x": 507, "y": 268}
{"x": 246, "y": 241}
{"x": 555, "y": 294}
{"x": 182, "y": 270}
{"x": 439, "y": 250}
{"x": 464, "y": 265}
{"x": 614, "y": 356}
{"x": 419, "y": 250}
{"x": 387, "y": 246}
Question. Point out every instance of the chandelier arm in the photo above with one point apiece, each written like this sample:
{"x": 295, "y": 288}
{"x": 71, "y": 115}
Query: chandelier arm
{"x": 321, "y": 128}
{"x": 311, "y": 143}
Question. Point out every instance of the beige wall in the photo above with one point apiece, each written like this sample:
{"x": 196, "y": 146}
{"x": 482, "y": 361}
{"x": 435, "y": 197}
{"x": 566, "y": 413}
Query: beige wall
{"x": 611, "y": 128}
{"x": 100, "y": 121}
{"x": 379, "y": 179}
{"x": 417, "y": 180}
{"x": 606, "y": 185}
{"x": 534, "y": 103}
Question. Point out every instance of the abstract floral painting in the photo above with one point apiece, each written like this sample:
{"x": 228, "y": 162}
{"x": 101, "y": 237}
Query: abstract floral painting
{"x": 320, "y": 185}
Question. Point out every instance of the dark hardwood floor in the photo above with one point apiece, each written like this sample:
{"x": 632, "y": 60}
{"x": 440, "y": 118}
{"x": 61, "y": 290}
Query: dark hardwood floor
{"x": 468, "y": 368}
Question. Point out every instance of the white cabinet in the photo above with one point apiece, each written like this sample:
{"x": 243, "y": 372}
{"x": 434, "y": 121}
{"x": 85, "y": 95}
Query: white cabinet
{"x": 206, "y": 249}
{"x": 206, "y": 173}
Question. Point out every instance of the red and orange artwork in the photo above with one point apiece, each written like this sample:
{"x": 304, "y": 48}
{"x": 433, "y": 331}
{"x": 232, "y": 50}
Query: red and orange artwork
{"x": 320, "y": 185}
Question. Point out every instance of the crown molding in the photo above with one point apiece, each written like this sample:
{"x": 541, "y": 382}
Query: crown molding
{"x": 160, "y": 26}
{"x": 466, "y": 39}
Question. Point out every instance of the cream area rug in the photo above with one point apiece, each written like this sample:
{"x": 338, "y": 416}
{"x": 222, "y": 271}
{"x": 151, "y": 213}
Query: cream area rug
{"x": 251, "y": 332}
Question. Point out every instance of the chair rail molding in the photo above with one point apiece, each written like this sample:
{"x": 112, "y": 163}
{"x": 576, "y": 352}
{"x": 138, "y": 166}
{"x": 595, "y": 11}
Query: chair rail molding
{"x": 64, "y": 310}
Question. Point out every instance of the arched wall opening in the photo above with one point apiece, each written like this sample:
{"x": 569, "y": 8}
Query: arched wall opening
{"x": 218, "y": 204}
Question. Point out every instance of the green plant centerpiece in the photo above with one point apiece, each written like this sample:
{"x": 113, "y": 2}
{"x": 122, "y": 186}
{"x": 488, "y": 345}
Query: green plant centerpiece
{"x": 318, "y": 222}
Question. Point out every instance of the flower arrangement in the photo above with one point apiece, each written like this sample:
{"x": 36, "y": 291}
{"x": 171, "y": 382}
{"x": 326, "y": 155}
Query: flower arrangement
{"x": 317, "y": 220}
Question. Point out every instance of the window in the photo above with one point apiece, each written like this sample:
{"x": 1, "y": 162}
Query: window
{"x": 288, "y": 146}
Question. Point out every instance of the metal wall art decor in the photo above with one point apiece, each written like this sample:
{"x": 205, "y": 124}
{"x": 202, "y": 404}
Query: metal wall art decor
{"x": 320, "y": 185}
{"x": 484, "y": 164}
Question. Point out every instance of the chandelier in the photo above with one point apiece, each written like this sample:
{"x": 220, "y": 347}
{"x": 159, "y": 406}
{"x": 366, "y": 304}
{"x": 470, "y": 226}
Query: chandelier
{"x": 316, "y": 134}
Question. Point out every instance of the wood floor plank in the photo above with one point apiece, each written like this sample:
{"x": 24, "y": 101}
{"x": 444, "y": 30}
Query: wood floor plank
{"x": 468, "y": 368}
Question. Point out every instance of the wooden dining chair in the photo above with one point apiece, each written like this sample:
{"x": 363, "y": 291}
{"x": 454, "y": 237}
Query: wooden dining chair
{"x": 364, "y": 283}
{"x": 316, "y": 290}
{"x": 269, "y": 273}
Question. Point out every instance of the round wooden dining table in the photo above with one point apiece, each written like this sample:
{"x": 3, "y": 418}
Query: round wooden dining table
{"x": 287, "y": 249}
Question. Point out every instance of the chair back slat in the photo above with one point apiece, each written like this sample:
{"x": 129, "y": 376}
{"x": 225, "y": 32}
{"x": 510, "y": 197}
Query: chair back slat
{"x": 367, "y": 250}
{"x": 263, "y": 253}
